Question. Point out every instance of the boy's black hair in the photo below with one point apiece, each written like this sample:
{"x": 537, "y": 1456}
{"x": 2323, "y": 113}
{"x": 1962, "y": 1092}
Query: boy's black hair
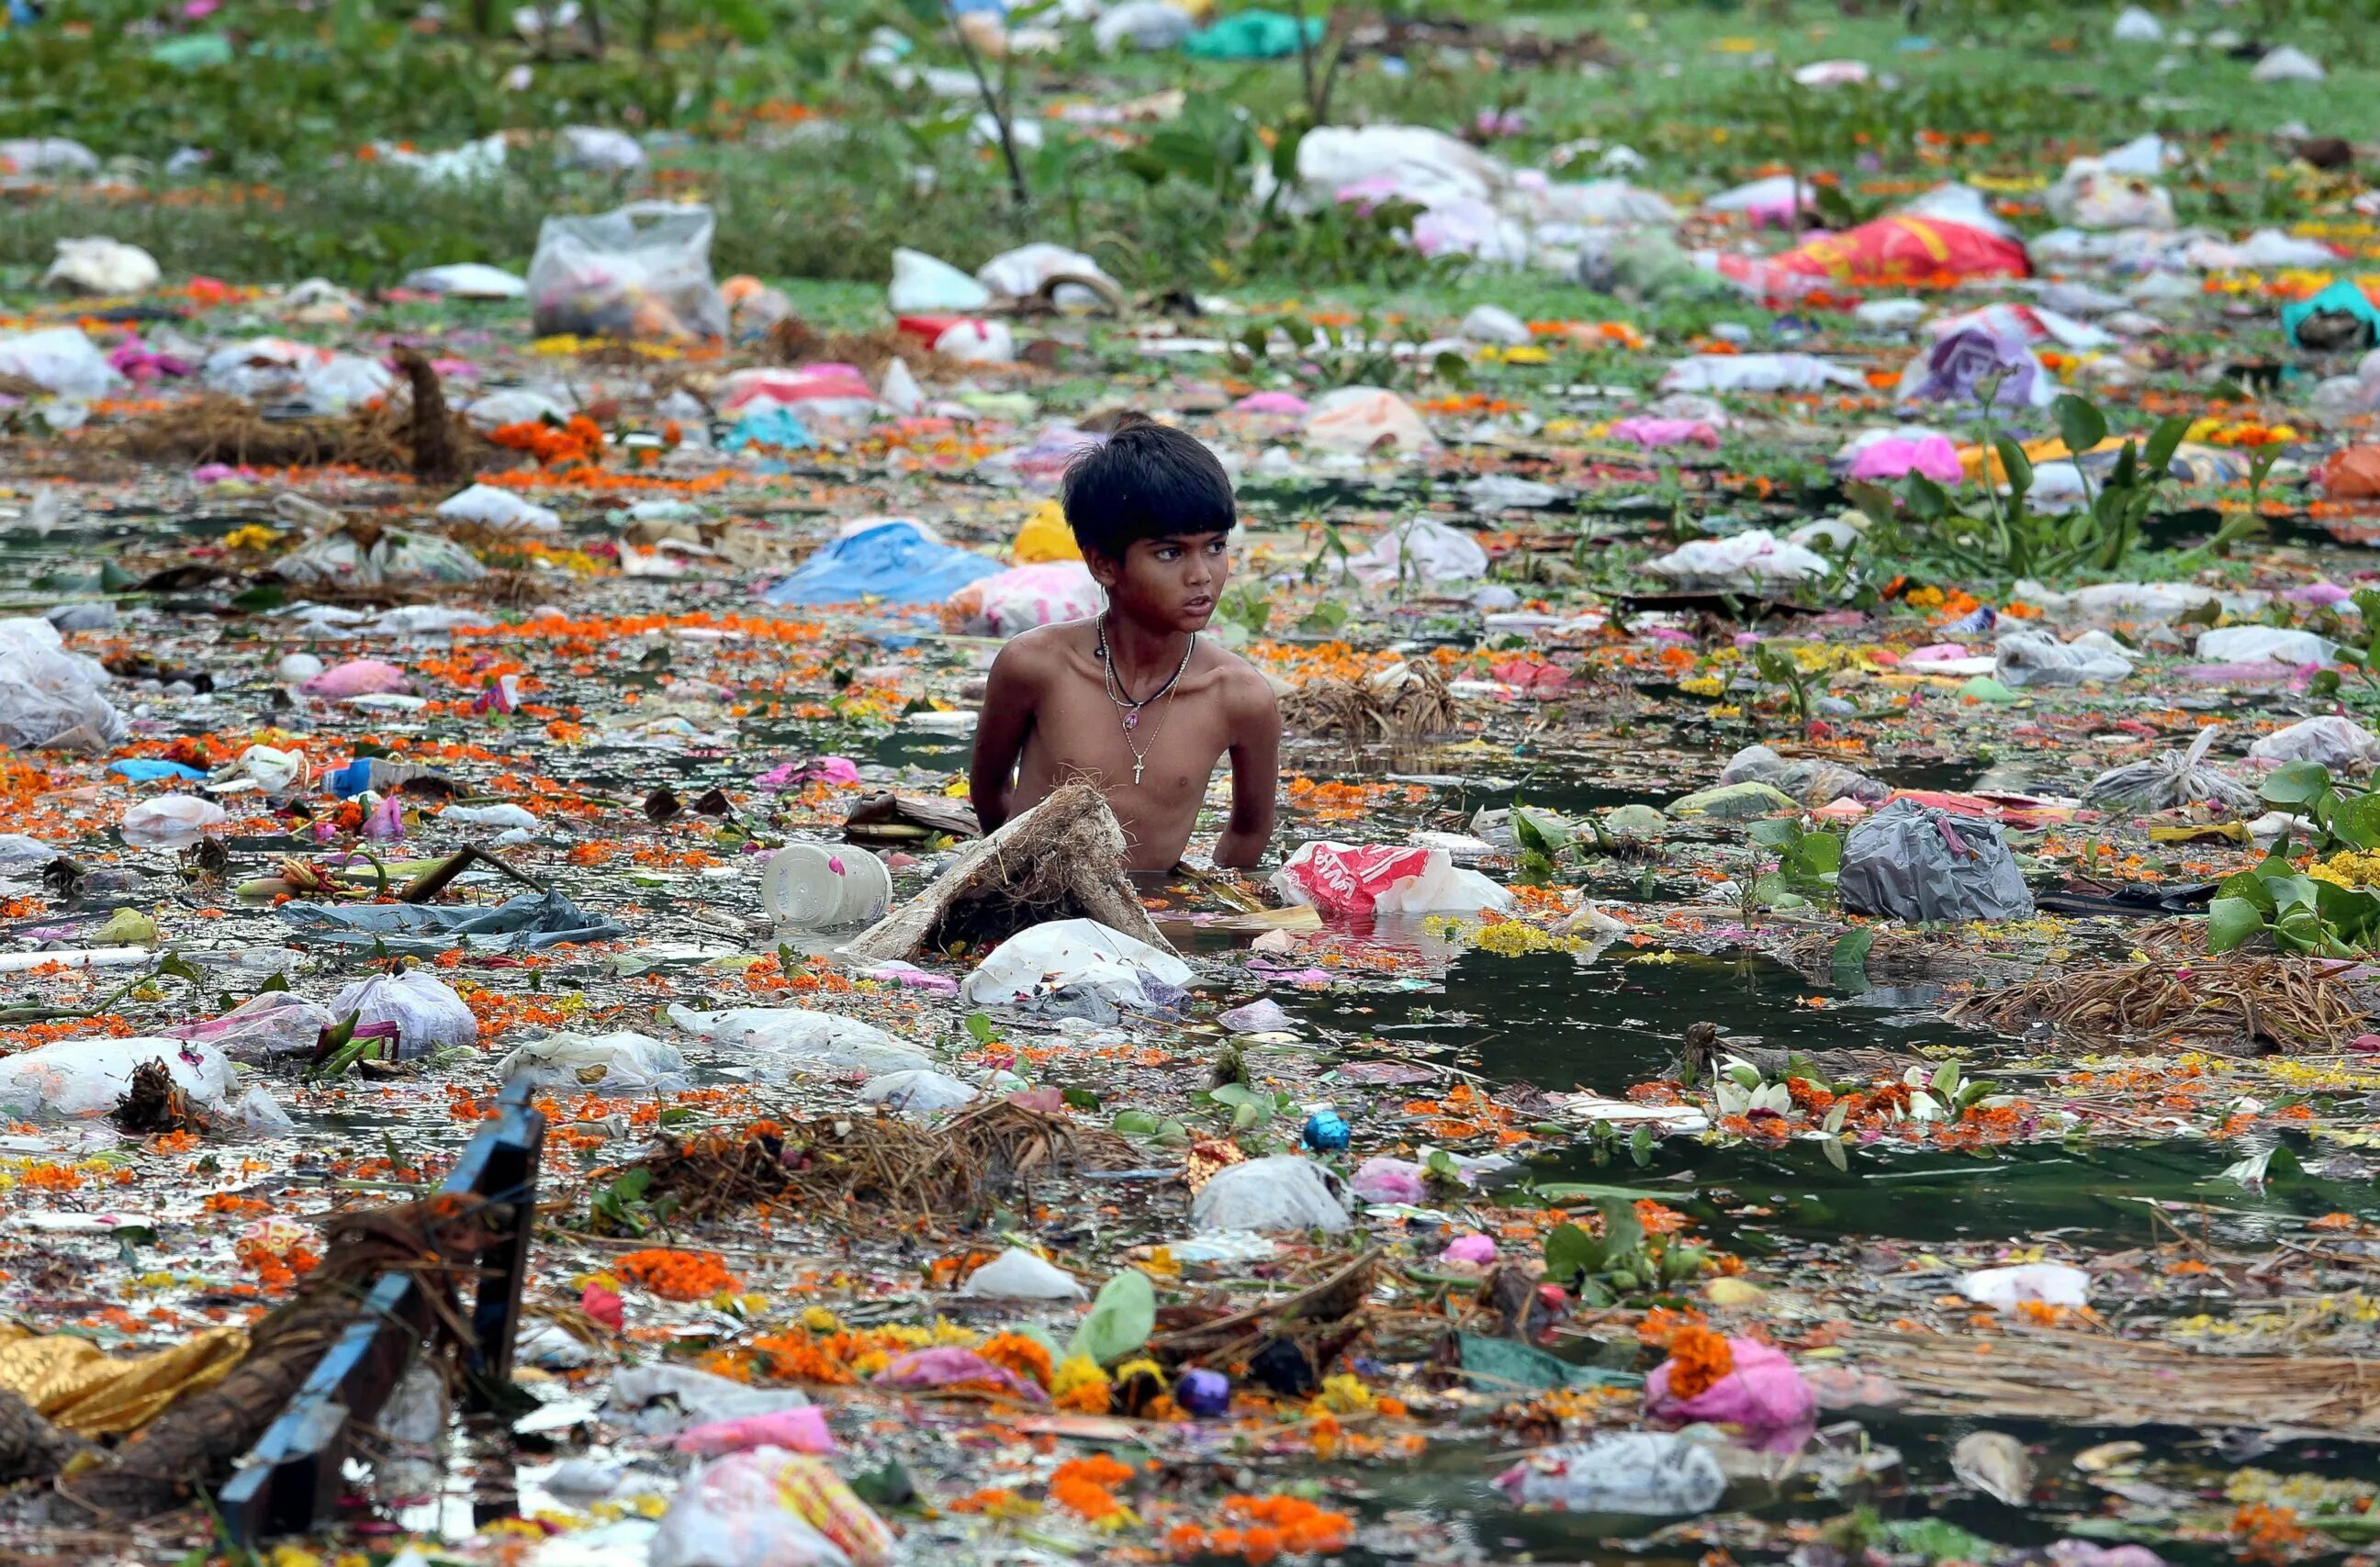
{"x": 1147, "y": 481}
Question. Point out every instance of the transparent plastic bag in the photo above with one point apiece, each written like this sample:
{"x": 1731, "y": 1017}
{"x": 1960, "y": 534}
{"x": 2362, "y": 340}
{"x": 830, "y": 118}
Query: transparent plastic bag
{"x": 50, "y": 700}
{"x": 818, "y": 1041}
{"x": 620, "y": 1063}
{"x": 640, "y": 271}
{"x": 428, "y": 1014}
{"x": 769, "y": 1508}
{"x": 1283, "y": 1192}
{"x": 81, "y": 1078}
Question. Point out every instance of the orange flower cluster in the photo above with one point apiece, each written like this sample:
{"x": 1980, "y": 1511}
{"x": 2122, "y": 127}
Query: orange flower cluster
{"x": 1081, "y": 1485}
{"x": 677, "y": 1275}
{"x": 1699, "y": 1358}
{"x": 579, "y": 443}
{"x": 2267, "y": 1534}
{"x": 1016, "y": 1352}
{"x": 1259, "y": 1528}
{"x": 275, "y": 1271}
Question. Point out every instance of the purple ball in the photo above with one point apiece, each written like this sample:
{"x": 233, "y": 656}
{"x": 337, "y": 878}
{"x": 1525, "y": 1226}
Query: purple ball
{"x": 1203, "y": 1394}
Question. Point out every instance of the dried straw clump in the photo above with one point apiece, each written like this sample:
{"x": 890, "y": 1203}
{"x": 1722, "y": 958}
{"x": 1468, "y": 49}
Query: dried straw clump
{"x": 2236, "y": 1003}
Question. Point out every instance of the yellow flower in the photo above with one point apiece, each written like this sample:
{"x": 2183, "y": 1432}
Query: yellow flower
{"x": 819, "y": 1319}
{"x": 1342, "y": 1394}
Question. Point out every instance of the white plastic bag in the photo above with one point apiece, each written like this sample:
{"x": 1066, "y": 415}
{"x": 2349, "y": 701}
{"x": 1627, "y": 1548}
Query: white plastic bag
{"x": 974, "y": 342}
{"x": 1064, "y": 953}
{"x": 640, "y": 271}
{"x": 61, "y": 360}
{"x": 1493, "y": 323}
{"x": 1649, "y": 1474}
{"x": 744, "y": 1510}
{"x": 170, "y": 821}
{"x": 1427, "y": 168}
{"x": 81, "y": 1078}
{"x": 2287, "y": 63}
{"x": 2004, "y": 1289}
{"x": 923, "y": 283}
{"x": 2026, "y": 660}
{"x": 814, "y": 1041}
{"x": 1283, "y": 1192}
{"x": 1753, "y": 561}
{"x": 1023, "y": 597}
{"x": 1757, "y": 372}
{"x": 2340, "y": 744}
{"x": 1351, "y": 878}
{"x": 2265, "y": 644}
{"x": 1421, "y": 553}
{"x": 2134, "y": 25}
{"x": 1143, "y": 24}
{"x": 619, "y": 1062}
{"x": 491, "y": 505}
{"x": 469, "y": 280}
{"x": 101, "y": 266}
{"x": 1023, "y": 272}
{"x": 51, "y": 698}
{"x": 916, "y": 1092}
{"x": 1017, "y": 1274}
{"x": 428, "y": 1014}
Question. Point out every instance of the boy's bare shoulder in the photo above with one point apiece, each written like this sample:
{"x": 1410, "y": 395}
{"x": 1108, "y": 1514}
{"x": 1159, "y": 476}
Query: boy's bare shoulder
{"x": 1243, "y": 687}
{"x": 1042, "y": 651}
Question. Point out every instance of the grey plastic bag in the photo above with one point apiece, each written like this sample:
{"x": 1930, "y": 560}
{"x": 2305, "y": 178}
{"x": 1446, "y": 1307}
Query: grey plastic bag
{"x": 1913, "y": 862}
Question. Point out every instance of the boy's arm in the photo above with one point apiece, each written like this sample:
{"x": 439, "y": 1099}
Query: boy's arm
{"x": 1000, "y": 730}
{"x": 1255, "y": 774}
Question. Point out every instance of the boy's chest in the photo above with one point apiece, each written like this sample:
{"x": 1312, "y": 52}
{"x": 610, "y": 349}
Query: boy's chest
{"x": 1171, "y": 743}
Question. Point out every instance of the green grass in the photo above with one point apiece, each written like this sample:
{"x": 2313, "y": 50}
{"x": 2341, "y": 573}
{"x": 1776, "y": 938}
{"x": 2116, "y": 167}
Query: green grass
{"x": 1701, "y": 91}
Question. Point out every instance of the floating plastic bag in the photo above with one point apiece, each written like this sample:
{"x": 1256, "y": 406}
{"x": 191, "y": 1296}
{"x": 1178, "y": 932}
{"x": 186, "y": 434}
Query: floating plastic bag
{"x": 1385, "y": 879}
{"x": 356, "y": 677}
{"x": 22, "y": 855}
{"x": 1283, "y": 1192}
{"x": 170, "y": 821}
{"x": 1493, "y": 323}
{"x": 640, "y": 271}
{"x": 1912, "y": 862}
{"x": 2004, "y": 1289}
{"x": 1812, "y": 780}
{"x": 50, "y": 700}
{"x": 1753, "y": 561}
{"x": 621, "y": 1063}
{"x": 1764, "y": 1396}
{"x": 795, "y": 1431}
{"x": 1382, "y": 1179}
{"x": 2265, "y": 644}
{"x": 1147, "y": 24}
{"x": 896, "y": 561}
{"x": 2175, "y": 778}
{"x": 268, "y": 1026}
{"x": 1421, "y": 554}
{"x": 659, "y": 1399}
{"x": 1026, "y": 270}
{"x": 396, "y": 555}
{"x": 1649, "y": 1474}
{"x": 427, "y": 1013}
{"x": 1023, "y": 597}
{"x": 1757, "y": 372}
{"x": 2032, "y": 660}
{"x": 61, "y": 360}
{"x": 2287, "y": 63}
{"x": 81, "y": 1078}
{"x": 951, "y": 1367}
{"x": 2339, "y": 744}
{"x": 925, "y": 282}
{"x": 1064, "y": 958}
{"x": 768, "y": 1507}
{"x": 816, "y": 1042}
{"x": 1017, "y": 1274}
{"x": 916, "y": 1092}
{"x": 1364, "y": 418}
{"x": 101, "y": 266}
{"x": 492, "y": 506}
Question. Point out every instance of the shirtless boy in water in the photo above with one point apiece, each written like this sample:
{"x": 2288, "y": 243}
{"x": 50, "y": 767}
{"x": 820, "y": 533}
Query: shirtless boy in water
{"x": 1134, "y": 701}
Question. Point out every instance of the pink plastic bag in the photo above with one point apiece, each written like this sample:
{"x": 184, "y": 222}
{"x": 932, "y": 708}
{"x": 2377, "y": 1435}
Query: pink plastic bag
{"x": 356, "y": 677}
{"x": 955, "y": 1368}
{"x": 1896, "y": 456}
{"x": 1764, "y": 1394}
{"x": 1653, "y": 434}
{"x": 795, "y": 1431}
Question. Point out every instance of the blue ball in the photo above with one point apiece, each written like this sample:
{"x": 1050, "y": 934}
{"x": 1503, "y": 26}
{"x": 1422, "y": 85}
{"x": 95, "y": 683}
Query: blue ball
{"x": 1327, "y": 1131}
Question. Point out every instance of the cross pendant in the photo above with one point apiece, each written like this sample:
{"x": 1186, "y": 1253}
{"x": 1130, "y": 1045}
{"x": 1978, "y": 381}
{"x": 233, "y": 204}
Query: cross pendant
{"x": 1137, "y": 766}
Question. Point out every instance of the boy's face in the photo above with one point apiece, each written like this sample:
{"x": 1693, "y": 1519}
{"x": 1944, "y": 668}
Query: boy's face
{"x": 1166, "y": 584}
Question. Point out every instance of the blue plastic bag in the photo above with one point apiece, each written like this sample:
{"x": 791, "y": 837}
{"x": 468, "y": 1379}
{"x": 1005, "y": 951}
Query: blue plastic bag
{"x": 896, "y": 561}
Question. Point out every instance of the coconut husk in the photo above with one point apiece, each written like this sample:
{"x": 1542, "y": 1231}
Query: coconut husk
{"x": 221, "y": 429}
{"x": 829, "y": 1166}
{"x": 1062, "y": 860}
{"x": 194, "y": 1445}
{"x": 2236, "y": 1003}
{"x": 31, "y": 1447}
{"x": 1400, "y": 708}
{"x": 153, "y": 1102}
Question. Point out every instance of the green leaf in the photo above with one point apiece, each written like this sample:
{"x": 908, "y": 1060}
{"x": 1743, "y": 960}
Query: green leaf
{"x": 632, "y": 1185}
{"x": 1237, "y": 1095}
{"x": 2080, "y": 423}
{"x": 1571, "y": 1254}
{"x": 1818, "y": 854}
{"x": 256, "y": 600}
{"x": 1621, "y": 1234}
{"x": 1776, "y": 832}
{"x": 2356, "y": 819}
{"x": 2230, "y": 922}
{"x": 2013, "y": 461}
{"x": 1120, "y": 1322}
{"x": 1134, "y": 1122}
{"x": 2163, "y": 441}
{"x": 1080, "y": 1098}
{"x": 1849, "y": 963}
{"x": 1874, "y": 501}
{"x": 1561, "y": 1193}
{"x": 2296, "y": 783}
{"x": 980, "y": 1025}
